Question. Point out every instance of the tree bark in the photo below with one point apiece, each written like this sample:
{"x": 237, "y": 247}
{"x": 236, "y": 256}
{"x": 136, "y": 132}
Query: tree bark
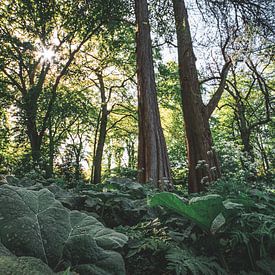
{"x": 153, "y": 162}
{"x": 102, "y": 133}
{"x": 130, "y": 146}
{"x": 203, "y": 163}
{"x": 49, "y": 169}
{"x": 263, "y": 154}
{"x": 77, "y": 162}
{"x": 30, "y": 108}
{"x": 245, "y": 132}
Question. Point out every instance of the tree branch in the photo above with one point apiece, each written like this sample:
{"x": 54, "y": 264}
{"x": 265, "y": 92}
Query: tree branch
{"x": 115, "y": 123}
{"x": 212, "y": 104}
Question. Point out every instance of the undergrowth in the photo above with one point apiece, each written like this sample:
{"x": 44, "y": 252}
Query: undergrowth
{"x": 228, "y": 230}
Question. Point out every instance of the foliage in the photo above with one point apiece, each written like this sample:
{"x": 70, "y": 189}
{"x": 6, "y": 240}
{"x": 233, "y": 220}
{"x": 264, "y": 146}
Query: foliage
{"x": 188, "y": 239}
{"x": 64, "y": 63}
{"x": 35, "y": 224}
{"x": 201, "y": 210}
{"x": 242, "y": 228}
{"x": 184, "y": 262}
{"x": 146, "y": 248}
{"x": 23, "y": 265}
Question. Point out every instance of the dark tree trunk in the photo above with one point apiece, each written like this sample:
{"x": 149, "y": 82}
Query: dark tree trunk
{"x": 263, "y": 154}
{"x": 109, "y": 162}
{"x": 102, "y": 133}
{"x": 245, "y": 133}
{"x": 202, "y": 160}
{"x": 247, "y": 147}
{"x": 95, "y": 145}
{"x": 244, "y": 128}
{"x": 153, "y": 162}
{"x": 30, "y": 108}
{"x": 35, "y": 147}
{"x": 131, "y": 154}
{"x": 77, "y": 161}
{"x": 49, "y": 171}
{"x": 118, "y": 159}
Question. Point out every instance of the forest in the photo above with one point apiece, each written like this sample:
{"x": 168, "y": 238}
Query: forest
{"x": 137, "y": 137}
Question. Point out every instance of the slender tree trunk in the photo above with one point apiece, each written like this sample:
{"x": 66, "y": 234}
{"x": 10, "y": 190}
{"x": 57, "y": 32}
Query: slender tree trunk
{"x": 77, "y": 161}
{"x": 30, "y": 108}
{"x": 247, "y": 147}
{"x": 49, "y": 172}
{"x": 262, "y": 151}
{"x": 118, "y": 159}
{"x": 51, "y": 163}
{"x": 109, "y": 163}
{"x": 95, "y": 146}
{"x": 102, "y": 133}
{"x": 153, "y": 162}
{"x": 244, "y": 131}
{"x": 131, "y": 153}
{"x": 202, "y": 160}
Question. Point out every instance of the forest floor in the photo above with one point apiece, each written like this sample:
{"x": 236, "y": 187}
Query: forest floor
{"x": 123, "y": 227}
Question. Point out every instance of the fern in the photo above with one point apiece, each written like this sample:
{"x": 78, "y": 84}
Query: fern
{"x": 66, "y": 272}
{"x": 267, "y": 266}
{"x": 184, "y": 262}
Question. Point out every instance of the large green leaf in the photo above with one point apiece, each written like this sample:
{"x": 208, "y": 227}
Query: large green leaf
{"x": 4, "y": 251}
{"x": 10, "y": 264}
{"x": 201, "y": 210}
{"x": 33, "y": 223}
{"x": 23, "y": 266}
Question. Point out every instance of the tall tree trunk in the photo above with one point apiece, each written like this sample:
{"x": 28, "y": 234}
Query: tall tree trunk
{"x": 245, "y": 131}
{"x": 247, "y": 147}
{"x": 263, "y": 154}
{"x": 49, "y": 169}
{"x": 130, "y": 146}
{"x": 35, "y": 146}
{"x": 95, "y": 145}
{"x": 202, "y": 160}
{"x": 153, "y": 162}
{"x": 77, "y": 162}
{"x": 30, "y": 108}
{"x": 109, "y": 162}
{"x": 102, "y": 133}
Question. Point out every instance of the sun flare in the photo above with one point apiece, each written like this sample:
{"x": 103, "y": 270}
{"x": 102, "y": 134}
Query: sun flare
{"x": 47, "y": 54}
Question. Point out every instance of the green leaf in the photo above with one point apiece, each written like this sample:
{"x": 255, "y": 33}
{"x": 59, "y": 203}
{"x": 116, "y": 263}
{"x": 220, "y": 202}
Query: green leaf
{"x": 184, "y": 262}
{"x": 33, "y": 223}
{"x": 201, "y": 210}
{"x": 4, "y": 251}
{"x": 24, "y": 266}
{"x": 228, "y": 204}
{"x": 218, "y": 222}
{"x": 267, "y": 265}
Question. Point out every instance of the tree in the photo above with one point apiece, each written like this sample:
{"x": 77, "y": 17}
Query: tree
{"x": 39, "y": 41}
{"x": 103, "y": 69}
{"x": 153, "y": 162}
{"x": 202, "y": 159}
{"x": 4, "y": 141}
{"x": 250, "y": 100}
{"x": 245, "y": 98}
{"x": 71, "y": 109}
{"x": 168, "y": 88}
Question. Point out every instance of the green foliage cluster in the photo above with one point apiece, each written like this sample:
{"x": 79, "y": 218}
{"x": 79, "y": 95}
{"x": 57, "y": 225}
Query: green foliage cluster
{"x": 36, "y": 226}
{"x": 62, "y": 114}
{"x": 227, "y": 230}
